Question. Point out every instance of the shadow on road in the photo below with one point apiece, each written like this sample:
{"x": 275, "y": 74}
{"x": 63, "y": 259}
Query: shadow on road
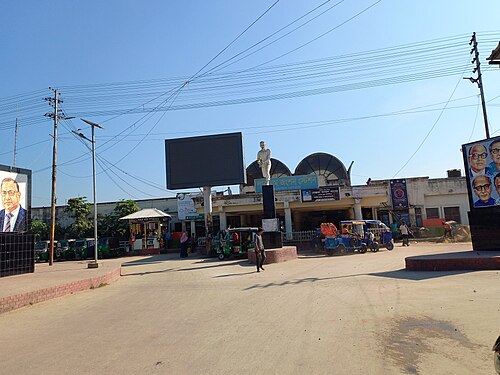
{"x": 234, "y": 274}
{"x": 398, "y": 274}
{"x": 215, "y": 264}
{"x": 150, "y": 272}
{"x": 418, "y": 275}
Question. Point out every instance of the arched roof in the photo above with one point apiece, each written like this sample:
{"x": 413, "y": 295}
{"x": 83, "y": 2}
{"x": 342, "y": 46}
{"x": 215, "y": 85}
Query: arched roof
{"x": 278, "y": 169}
{"x": 323, "y": 164}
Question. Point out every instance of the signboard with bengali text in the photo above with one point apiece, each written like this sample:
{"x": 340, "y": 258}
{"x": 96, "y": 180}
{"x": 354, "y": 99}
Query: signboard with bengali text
{"x": 289, "y": 183}
{"x": 322, "y": 194}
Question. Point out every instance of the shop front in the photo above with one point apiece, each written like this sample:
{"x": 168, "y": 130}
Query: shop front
{"x": 146, "y": 229}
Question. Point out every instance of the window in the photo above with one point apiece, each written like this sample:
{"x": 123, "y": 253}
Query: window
{"x": 452, "y": 213}
{"x": 432, "y": 213}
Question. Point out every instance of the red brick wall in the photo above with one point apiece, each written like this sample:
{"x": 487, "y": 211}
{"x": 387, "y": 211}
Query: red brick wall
{"x": 30, "y": 298}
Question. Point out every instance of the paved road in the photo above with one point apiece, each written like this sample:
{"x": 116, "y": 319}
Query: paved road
{"x": 354, "y": 314}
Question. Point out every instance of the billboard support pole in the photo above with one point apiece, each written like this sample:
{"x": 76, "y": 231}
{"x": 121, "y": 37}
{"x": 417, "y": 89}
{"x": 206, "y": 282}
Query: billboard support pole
{"x": 207, "y": 207}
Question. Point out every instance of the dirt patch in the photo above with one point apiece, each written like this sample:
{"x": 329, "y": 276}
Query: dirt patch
{"x": 409, "y": 339}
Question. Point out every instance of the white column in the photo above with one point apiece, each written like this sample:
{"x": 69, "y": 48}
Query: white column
{"x": 223, "y": 218}
{"x": 358, "y": 215}
{"x": 288, "y": 220}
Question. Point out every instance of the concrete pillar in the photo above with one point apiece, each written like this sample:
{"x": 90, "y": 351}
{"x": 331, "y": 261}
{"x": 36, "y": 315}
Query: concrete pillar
{"x": 413, "y": 220}
{"x": 243, "y": 220}
{"x": 297, "y": 220}
{"x": 374, "y": 213}
{"x": 358, "y": 215}
{"x": 193, "y": 228}
{"x": 223, "y": 218}
{"x": 288, "y": 220}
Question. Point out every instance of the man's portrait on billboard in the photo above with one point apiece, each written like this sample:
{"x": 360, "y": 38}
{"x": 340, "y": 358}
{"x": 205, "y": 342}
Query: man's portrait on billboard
{"x": 477, "y": 160}
{"x": 482, "y": 187}
{"x": 13, "y": 216}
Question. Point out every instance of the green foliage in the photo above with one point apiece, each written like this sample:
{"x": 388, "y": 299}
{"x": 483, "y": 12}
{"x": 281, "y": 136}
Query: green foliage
{"x": 79, "y": 209}
{"x": 40, "y": 230}
{"x": 123, "y": 208}
{"x": 111, "y": 225}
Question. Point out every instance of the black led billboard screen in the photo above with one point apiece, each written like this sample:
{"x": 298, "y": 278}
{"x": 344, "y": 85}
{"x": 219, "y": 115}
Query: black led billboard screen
{"x": 213, "y": 160}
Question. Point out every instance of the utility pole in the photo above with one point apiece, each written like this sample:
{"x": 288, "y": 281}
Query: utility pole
{"x": 15, "y": 139}
{"x": 479, "y": 79}
{"x": 55, "y": 115}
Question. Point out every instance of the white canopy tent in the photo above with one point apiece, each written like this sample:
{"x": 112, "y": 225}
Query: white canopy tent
{"x": 145, "y": 230}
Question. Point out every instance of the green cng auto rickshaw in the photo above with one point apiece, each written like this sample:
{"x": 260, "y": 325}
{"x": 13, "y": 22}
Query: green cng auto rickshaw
{"x": 234, "y": 242}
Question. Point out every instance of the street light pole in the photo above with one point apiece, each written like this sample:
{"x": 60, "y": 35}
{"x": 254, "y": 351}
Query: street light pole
{"x": 93, "y": 126}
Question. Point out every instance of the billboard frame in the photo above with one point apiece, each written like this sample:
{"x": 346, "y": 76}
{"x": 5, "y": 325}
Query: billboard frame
{"x": 237, "y": 173}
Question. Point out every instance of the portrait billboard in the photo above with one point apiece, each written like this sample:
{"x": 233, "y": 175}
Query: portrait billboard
{"x": 213, "y": 160}
{"x": 17, "y": 254}
{"x": 15, "y": 200}
{"x": 482, "y": 166}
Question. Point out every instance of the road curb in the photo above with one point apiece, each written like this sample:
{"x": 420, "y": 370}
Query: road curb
{"x": 17, "y": 301}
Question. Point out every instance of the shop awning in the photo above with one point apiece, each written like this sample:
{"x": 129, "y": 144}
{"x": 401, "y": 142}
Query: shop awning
{"x": 148, "y": 213}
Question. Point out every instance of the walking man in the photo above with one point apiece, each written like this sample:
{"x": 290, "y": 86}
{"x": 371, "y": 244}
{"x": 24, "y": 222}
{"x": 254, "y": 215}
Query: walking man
{"x": 260, "y": 254}
{"x": 403, "y": 228}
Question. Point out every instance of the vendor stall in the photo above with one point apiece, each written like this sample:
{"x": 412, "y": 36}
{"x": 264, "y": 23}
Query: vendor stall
{"x": 146, "y": 228}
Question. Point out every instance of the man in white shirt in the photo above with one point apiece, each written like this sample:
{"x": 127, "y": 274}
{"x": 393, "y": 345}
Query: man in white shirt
{"x": 403, "y": 228}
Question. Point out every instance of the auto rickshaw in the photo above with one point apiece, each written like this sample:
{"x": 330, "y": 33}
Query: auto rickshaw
{"x": 382, "y": 232}
{"x": 109, "y": 247}
{"x": 42, "y": 251}
{"x": 234, "y": 242}
{"x": 349, "y": 238}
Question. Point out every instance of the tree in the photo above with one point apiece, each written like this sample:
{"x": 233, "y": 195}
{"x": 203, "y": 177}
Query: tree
{"x": 123, "y": 208}
{"x": 40, "y": 230}
{"x": 79, "y": 209}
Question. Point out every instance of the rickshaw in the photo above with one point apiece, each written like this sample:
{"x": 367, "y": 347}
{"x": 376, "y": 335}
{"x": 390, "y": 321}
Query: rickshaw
{"x": 350, "y": 238}
{"x": 234, "y": 242}
{"x": 109, "y": 247}
{"x": 382, "y": 232}
{"x": 42, "y": 251}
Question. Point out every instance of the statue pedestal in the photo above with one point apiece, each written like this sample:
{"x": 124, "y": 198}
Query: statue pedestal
{"x": 280, "y": 255}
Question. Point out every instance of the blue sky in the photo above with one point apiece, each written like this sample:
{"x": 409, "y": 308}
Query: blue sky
{"x": 107, "y": 57}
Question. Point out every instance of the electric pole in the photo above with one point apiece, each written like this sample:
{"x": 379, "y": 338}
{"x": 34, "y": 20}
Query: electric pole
{"x": 479, "y": 79}
{"x": 53, "y": 102}
{"x": 15, "y": 142}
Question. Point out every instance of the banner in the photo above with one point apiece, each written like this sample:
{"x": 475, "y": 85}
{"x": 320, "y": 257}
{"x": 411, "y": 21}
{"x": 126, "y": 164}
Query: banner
{"x": 185, "y": 206}
{"x": 482, "y": 166}
{"x": 322, "y": 194}
{"x": 399, "y": 194}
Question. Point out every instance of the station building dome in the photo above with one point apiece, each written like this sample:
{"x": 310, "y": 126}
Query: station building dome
{"x": 278, "y": 169}
{"x": 326, "y": 166}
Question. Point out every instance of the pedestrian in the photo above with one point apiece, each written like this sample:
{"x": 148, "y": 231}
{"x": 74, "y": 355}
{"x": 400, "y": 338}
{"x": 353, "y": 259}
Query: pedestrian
{"x": 403, "y": 228}
{"x": 260, "y": 253}
{"x": 184, "y": 244}
{"x": 447, "y": 229}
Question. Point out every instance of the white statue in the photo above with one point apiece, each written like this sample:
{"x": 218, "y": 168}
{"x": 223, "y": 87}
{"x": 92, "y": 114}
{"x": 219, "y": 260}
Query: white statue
{"x": 264, "y": 161}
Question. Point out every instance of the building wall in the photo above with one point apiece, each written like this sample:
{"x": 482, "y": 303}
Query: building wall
{"x": 422, "y": 192}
